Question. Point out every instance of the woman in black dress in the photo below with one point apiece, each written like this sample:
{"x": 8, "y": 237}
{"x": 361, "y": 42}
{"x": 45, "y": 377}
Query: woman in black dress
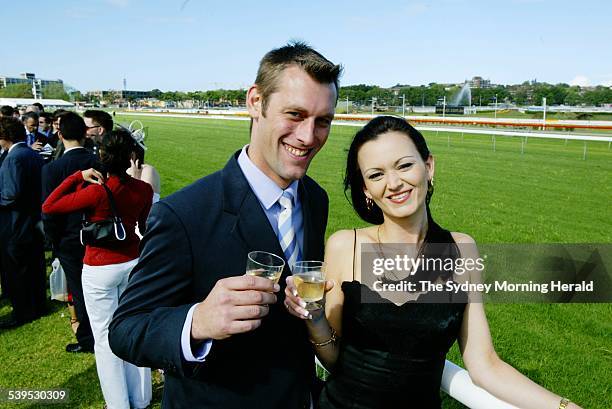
{"x": 387, "y": 349}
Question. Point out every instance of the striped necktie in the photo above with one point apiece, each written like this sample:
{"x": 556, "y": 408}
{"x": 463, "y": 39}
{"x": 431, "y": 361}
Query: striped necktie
{"x": 286, "y": 230}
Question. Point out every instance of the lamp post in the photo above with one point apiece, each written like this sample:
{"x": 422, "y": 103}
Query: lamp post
{"x": 544, "y": 115}
{"x": 347, "y": 105}
{"x": 403, "y": 105}
{"x": 495, "y": 106}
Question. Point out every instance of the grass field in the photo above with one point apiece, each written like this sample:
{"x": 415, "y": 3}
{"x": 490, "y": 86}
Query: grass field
{"x": 547, "y": 195}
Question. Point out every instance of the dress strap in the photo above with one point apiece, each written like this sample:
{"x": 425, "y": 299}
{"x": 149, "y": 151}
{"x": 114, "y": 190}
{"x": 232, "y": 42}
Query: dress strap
{"x": 354, "y": 251}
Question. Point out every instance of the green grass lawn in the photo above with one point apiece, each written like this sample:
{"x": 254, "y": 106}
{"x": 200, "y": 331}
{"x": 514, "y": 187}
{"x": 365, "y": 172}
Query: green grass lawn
{"x": 546, "y": 195}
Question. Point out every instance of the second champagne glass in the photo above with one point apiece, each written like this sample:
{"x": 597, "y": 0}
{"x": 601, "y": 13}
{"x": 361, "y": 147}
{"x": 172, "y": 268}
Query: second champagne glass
{"x": 309, "y": 279}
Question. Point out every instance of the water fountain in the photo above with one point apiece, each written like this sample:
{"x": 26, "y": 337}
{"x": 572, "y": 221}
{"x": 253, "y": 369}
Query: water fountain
{"x": 459, "y": 103}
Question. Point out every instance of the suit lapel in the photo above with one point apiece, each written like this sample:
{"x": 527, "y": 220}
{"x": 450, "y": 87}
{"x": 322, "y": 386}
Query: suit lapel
{"x": 307, "y": 215}
{"x": 252, "y": 227}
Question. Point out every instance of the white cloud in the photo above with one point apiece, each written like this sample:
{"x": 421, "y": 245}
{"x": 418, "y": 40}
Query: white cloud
{"x": 580, "y": 80}
{"x": 607, "y": 83}
{"x": 119, "y": 3}
{"x": 414, "y": 9}
{"x": 169, "y": 20}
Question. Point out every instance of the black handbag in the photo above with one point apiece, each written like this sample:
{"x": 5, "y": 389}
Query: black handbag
{"x": 103, "y": 233}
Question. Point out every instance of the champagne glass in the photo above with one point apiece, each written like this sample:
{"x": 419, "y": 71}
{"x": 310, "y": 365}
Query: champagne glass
{"x": 264, "y": 264}
{"x": 309, "y": 279}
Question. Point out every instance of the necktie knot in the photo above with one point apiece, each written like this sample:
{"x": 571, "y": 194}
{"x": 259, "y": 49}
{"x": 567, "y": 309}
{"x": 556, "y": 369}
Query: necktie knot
{"x": 286, "y": 200}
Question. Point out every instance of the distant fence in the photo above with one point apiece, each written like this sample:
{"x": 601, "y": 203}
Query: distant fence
{"x": 342, "y": 120}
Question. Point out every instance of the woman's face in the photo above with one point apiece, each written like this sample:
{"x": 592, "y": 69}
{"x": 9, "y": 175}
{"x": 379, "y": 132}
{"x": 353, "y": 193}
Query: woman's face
{"x": 395, "y": 176}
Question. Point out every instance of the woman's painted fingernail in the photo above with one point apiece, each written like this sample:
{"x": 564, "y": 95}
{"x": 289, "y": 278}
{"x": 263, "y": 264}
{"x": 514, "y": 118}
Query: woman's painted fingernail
{"x": 302, "y": 304}
{"x": 294, "y": 292}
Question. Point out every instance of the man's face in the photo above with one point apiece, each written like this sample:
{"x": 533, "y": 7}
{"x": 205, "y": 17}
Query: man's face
{"x": 93, "y": 129}
{"x": 31, "y": 125}
{"x": 295, "y": 127}
{"x": 44, "y": 124}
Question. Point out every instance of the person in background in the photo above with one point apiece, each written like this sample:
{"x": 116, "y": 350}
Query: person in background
{"x": 144, "y": 171}
{"x": 34, "y": 139}
{"x": 40, "y": 107}
{"x": 6, "y": 111}
{"x": 98, "y": 123}
{"x": 45, "y": 124}
{"x": 33, "y": 108}
{"x": 106, "y": 269}
{"x": 63, "y": 230}
{"x": 21, "y": 240}
{"x": 59, "y": 147}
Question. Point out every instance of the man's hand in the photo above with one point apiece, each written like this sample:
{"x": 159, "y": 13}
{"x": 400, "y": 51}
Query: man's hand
{"x": 37, "y": 146}
{"x": 235, "y": 305}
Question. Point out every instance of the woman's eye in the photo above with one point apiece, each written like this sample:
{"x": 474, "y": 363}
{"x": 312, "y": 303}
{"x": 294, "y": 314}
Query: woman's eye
{"x": 375, "y": 176}
{"x": 405, "y": 165}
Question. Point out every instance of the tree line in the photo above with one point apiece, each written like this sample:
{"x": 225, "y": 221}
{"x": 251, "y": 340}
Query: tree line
{"x": 526, "y": 93}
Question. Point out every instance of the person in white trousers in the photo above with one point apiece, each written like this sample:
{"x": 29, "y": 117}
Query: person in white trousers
{"x": 124, "y": 385}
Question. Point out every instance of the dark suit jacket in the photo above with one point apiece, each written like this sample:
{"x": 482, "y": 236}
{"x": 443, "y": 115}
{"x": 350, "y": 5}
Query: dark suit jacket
{"x": 194, "y": 238}
{"x": 20, "y": 204}
{"x": 40, "y": 137}
{"x": 64, "y": 228}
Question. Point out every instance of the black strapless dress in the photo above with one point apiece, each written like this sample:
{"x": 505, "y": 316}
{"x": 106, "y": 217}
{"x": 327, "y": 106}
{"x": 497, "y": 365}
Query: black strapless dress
{"x": 392, "y": 356}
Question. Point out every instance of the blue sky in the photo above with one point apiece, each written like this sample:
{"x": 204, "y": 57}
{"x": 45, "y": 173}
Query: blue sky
{"x": 197, "y": 44}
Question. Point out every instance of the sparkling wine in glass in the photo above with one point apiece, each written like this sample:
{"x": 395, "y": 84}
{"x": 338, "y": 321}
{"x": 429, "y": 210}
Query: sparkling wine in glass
{"x": 309, "y": 279}
{"x": 264, "y": 264}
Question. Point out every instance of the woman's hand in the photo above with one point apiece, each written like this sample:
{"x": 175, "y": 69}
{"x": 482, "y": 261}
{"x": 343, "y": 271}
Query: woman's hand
{"x": 296, "y": 306}
{"x": 92, "y": 176}
{"x": 135, "y": 169}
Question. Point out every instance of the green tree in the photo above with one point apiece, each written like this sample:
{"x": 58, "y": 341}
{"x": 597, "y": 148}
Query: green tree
{"x": 54, "y": 91}
{"x": 16, "y": 91}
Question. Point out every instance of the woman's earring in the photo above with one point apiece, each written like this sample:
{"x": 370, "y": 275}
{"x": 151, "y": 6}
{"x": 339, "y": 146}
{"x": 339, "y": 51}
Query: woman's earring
{"x": 369, "y": 204}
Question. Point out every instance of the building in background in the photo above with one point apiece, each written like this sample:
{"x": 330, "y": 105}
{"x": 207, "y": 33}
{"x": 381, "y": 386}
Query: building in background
{"x": 107, "y": 97}
{"x": 479, "y": 82}
{"x": 30, "y": 78}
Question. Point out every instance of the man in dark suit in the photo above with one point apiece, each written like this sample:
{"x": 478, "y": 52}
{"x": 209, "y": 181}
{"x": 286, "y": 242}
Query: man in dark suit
{"x": 21, "y": 238}
{"x": 34, "y": 138}
{"x": 63, "y": 230}
{"x": 223, "y": 337}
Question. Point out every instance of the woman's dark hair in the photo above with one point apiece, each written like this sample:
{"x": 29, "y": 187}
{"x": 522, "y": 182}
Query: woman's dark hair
{"x": 115, "y": 150}
{"x": 353, "y": 179}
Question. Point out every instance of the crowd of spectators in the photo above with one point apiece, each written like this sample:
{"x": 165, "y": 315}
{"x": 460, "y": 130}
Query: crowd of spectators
{"x": 55, "y": 170}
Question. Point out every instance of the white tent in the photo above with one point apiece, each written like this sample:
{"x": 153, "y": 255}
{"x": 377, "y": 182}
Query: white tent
{"x": 15, "y": 102}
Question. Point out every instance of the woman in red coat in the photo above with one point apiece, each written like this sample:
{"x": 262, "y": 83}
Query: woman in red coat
{"x": 106, "y": 269}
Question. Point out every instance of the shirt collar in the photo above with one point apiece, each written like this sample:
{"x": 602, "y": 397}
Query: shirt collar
{"x": 74, "y": 147}
{"x": 266, "y": 190}
{"x": 15, "y": 144}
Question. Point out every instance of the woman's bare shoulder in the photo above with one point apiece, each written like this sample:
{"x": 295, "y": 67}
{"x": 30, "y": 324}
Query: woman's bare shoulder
{"x": 462, "y": 238}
